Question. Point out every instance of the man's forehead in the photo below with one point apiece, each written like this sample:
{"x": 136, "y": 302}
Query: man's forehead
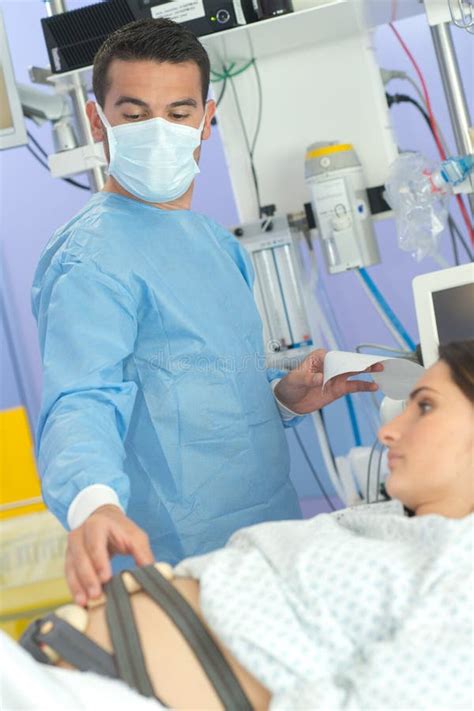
{"x": 154, "y": 85}
{"x": 149, "y": 73}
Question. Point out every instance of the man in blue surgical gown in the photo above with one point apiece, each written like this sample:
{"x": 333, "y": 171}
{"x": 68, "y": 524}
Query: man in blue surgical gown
{"x": 160, "y": 433}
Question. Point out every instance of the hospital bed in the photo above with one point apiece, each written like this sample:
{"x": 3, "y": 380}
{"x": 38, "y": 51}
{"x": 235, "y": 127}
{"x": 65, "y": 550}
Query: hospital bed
{"x": 32, "y": 542}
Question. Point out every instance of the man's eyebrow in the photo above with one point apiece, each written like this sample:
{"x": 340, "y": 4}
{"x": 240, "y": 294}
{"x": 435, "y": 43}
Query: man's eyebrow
{"x": 182, "y": 102}
{"x": 414, "y": 393}
{"x": 139, "y": 102}
{"x": 131, "y": 100}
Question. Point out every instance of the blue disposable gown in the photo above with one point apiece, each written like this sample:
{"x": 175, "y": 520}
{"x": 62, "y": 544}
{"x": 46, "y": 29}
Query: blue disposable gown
{"x": 154, "y": 376}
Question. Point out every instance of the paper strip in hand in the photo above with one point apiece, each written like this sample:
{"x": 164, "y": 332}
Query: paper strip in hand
{"x": 396, "y": 380}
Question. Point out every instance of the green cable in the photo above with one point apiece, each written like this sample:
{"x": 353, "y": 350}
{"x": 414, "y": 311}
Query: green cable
{"x": 229, "y": 74}
{"x": 222, "y": 77}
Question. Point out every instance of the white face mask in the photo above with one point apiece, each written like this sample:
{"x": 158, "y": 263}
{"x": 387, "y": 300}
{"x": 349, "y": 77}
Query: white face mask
{"x": 153, "y": 159}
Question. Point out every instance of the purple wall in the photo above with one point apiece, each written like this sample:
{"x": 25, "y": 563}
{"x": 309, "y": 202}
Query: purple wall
{"x": 33, "y": 205}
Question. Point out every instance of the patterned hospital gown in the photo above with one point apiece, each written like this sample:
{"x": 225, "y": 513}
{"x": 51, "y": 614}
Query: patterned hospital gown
{"x": 360, "y": 609}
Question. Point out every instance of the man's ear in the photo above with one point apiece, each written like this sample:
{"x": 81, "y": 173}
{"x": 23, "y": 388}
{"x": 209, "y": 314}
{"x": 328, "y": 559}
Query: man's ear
{"x": 97, "y": 129}
{"x": 210, "y": 111}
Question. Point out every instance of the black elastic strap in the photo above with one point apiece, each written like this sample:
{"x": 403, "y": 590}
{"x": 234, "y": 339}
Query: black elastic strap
{"x": 208, "y": 654}
{"x": 125, "y": 640}
{"x": 71, "y": 645}
{"x": 29, "y": 642}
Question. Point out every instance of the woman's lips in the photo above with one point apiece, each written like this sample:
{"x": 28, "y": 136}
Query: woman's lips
{"x": 393, "y": 458}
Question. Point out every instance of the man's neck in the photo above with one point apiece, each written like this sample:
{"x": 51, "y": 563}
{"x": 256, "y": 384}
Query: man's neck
{"x": 181, "y": 203}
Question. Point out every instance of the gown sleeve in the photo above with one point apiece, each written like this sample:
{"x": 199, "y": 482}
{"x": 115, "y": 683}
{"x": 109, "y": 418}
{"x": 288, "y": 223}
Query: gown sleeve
{"x": 87, "y": 328}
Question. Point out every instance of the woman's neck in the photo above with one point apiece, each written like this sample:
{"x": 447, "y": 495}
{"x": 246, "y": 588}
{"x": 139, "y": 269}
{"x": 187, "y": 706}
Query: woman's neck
{"x": 450, "y": 508}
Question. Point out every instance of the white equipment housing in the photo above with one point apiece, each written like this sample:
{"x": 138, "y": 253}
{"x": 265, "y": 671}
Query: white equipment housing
{"x": 336, "y": 180}
{"x": 320, "y": 80}
{"x": 278, "y": 293}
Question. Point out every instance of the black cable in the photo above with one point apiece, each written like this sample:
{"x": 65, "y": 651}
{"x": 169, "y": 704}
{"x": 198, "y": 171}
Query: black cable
{"x": 45, "y": 165}
{"x": 221, "y": 95}
{"x": 313, "y": 470}
{"x": 404, "y": 98}
{"x": 453, "y": 244}
{"x": 383, "y": 491}
{"x": 71, "y": 181}
{"x": 379, "y": 467}
{"x": 323, "y": 420}
{"x": 35, "y": 142}
{"x": 247, "y": 143}
{"x": 40, "y": 160}
{"x": 369, "y": 467}
{"x": 452, "y": 223}
{"x": 260, "y": 106}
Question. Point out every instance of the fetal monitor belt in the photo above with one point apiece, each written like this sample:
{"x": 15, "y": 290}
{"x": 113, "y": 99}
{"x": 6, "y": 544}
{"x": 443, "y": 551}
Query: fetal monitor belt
{"x": 52, "y": 638}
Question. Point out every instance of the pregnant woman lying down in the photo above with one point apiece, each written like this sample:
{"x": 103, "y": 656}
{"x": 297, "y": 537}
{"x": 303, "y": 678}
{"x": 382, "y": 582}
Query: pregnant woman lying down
{"x": 367, "y": 608}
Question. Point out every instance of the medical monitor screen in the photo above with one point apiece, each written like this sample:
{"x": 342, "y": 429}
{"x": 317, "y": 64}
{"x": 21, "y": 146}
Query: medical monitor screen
{"x": 454, "y": 313}
{"x": 6, "y": 118}
{"x": 12, "y": 125}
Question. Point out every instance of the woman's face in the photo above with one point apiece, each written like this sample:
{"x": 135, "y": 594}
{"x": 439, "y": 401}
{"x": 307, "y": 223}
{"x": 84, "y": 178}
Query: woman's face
{"x": 431, "y": 448}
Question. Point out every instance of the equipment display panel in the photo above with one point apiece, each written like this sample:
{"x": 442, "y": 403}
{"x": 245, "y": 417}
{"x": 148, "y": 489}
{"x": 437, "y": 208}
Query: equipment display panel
{"x": 444, "y": 303}
{"x": 12, "y": 125}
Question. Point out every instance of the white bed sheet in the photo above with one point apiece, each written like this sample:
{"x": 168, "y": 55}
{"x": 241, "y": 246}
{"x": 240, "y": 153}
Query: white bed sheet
{"x": 26, "y": 685}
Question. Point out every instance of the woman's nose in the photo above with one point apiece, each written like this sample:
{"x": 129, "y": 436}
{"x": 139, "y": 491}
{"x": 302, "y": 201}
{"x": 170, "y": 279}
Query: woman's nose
{"x": 385, "y": 435}
{"x": 391, "y": 432}
{"x": 391, "y": 412}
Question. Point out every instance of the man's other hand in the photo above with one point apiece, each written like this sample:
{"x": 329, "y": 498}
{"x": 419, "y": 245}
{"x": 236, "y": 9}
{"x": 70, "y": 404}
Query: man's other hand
{"x": 90, "y": 547}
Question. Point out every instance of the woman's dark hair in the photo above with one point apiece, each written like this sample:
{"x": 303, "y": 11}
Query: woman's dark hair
{"x": 459, "y": 357}
{"x": 159, "y": 40}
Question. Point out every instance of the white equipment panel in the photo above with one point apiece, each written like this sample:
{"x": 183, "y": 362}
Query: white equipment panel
{"x": 320, "y": 82}
{"x": 277, "y": 289}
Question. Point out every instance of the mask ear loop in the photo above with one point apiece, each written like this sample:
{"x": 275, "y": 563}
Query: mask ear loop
{"x": 111, "y": 140}
{"x": 102, "y": 116}
{"x": 203, "y": 121}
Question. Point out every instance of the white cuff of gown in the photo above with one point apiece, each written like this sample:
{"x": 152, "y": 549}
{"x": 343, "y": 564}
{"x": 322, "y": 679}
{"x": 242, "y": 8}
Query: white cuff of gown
{"x": 87, "y": 501}
{"x": 285, "y": 412}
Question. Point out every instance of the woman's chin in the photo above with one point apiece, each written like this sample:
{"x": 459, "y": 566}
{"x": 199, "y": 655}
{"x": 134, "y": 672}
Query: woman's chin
{"x": 393, "y": 486}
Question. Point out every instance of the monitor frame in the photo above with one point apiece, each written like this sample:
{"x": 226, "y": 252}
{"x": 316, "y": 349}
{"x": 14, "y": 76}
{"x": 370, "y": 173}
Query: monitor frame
{"x": 423, "y": 287}
{"x": 16, "y": 135}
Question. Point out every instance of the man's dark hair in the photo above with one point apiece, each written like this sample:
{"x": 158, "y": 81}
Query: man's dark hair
{"x": 159, "y": 40}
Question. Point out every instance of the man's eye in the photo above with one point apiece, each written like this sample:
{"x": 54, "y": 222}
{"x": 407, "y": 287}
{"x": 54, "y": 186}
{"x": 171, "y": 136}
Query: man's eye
{"x": 177, "y": 117}
{"x": 132, "y": 117}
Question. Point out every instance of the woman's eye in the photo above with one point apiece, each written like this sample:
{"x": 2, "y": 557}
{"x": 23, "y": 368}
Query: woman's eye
{"x": 424, "y": 407}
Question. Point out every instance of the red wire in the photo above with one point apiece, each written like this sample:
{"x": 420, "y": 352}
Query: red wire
{"x": 394, "y": 11}
{"x": 434, "y": 127}
{"x": 425, "y": 90}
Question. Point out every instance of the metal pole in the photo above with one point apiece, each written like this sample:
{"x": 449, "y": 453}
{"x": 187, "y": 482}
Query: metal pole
{"x": 453, "y": 89}
{"x": 55, "y": 7}
{"x": 77, "y": 92}
{"x": 78, "y": 96}
{"x": 17, "y": 350}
